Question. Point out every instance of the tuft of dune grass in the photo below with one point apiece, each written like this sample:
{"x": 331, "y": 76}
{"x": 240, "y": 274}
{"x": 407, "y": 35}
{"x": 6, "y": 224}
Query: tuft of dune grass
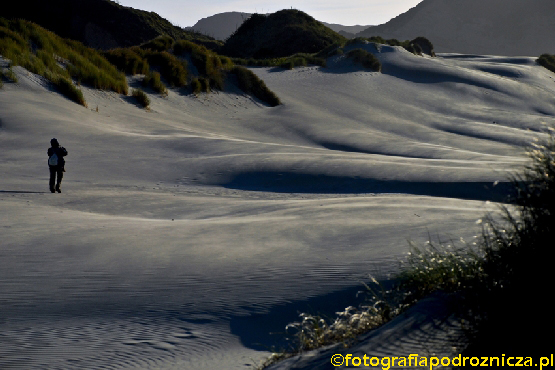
{"x": 68, "y": 89}
{"x": 366, "y": 59}
{"x": 250, "y": 83}
{"x": 152, "y": 80}
{"x": 141, "y": 97}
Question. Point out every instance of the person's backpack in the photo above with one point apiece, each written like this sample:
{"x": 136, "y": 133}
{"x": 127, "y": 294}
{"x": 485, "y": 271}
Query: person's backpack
{"x": 53, "y": 160}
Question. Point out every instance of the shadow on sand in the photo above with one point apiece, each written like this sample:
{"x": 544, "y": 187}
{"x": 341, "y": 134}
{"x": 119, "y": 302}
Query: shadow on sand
{"x": 284, "y": 182}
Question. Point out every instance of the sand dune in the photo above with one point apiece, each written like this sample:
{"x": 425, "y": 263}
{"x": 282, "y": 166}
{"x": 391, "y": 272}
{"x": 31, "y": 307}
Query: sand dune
{"x": 186, "y": 234}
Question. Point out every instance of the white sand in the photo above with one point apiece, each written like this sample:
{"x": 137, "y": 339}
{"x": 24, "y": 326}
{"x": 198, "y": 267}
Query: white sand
{"x": 186, "y": 234}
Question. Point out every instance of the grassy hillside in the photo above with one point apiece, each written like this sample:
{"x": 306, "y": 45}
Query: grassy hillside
{"x": 280, "y": 34}
{"x": 102, "y": 24}
{"x": 162, "y": 61}
{"x": 58, "y": 60}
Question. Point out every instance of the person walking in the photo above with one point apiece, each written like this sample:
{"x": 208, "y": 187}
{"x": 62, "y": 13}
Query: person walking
{"x": 56, "y": 164}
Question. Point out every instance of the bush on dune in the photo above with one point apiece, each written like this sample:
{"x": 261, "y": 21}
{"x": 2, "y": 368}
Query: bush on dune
{"x": 67, "y": 88}
{"x": 547, "y": 61}
{"x": 210, "y": 65}
{"x": 499, "y": 283}
{"x": 366, "y": 59}
{"x": 141, "y": 97}
{"x": 250, "y": 83}
{"x": 160, "y": 43}
{"x": 152, "y": 80}
{"x": 127, "y": 60}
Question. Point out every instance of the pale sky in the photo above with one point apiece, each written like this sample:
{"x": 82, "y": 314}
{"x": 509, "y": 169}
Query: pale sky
{"x": 186, "y": 13}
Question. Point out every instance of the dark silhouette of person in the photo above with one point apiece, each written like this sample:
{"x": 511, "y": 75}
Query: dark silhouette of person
{"x": 56, "y": 164}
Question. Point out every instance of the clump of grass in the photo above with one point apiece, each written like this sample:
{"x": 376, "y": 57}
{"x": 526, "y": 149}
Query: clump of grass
{"x": 210, "y": 65}
{"x": 10, "y": 75}
{"x": 68, "y": 89}
{"x": 127, "y": 60}
{"x": 366, "y": 59}
{"x": 314, "y": 331}
{"x": 141, "y": 97}
{"x": 250, "y": 83}
{"x": 547, "y": 61}
{"x": 160, "y": 43}
{"x": 153, "y": 81}
{"x": 200, "y": 84}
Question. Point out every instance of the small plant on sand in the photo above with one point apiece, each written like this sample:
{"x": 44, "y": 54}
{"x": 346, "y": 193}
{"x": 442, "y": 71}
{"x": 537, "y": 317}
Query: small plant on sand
{"x": 366, "y": 59}
{"x": 67, "y": 88}
{"x": 10, "y": 75}
{"x": 141, "y": 97}
{"x": 250, "y": 83}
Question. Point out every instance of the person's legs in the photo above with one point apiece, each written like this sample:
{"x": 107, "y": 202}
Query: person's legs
{"x": 52, "y": 177}
{"x": 60, "y": 172}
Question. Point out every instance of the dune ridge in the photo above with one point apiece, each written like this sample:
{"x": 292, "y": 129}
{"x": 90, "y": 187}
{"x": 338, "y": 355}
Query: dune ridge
{"x": 174, "y": 236}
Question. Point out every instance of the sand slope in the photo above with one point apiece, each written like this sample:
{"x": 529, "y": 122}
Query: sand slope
{"x": 186, "y": 234}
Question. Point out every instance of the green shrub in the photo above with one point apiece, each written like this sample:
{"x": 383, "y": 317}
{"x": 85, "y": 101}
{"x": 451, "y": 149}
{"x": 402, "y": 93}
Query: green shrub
{"x": 251, "y": 84}
{"x": 153, "y": 81}
{"x": 196, "y": 86}
{"x": 366, "y": 59}
{"x": 127, "y": 60}
{"x": 160, "y": 43}
{"x": 210, "y": 65}
{"x": 10, "y": 75}
{"x": 141, "y": 97}
{"x": 172, "y": 69}
{"x": 68, "y": 89}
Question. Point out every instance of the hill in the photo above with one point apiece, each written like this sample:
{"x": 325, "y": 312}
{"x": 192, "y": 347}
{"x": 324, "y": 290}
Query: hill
{"x": 499, "y": 27}
{"x": 221, "y": 26}
{"x": 279, "y": 34}
{"x": 101, "y": 24}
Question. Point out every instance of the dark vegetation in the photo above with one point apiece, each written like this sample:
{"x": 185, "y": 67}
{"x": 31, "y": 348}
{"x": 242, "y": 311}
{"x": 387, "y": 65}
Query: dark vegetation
{"x": 277, "y": 35}
{"x": 162, "y": 61}
{"x": 499, "y": 285}
{"x": 366, "y": 59}
{"x": 141, "y": 97}
{"x": 250, "y": 83}
{"x": 98, "y": 23}
{"x": 58, "y": 60}
{"x": 418, "y": 46}
{"x": 548, "y": 61}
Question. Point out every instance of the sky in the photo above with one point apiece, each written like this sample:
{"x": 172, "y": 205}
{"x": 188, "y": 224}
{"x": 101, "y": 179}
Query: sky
{"x": 186, "y": 13}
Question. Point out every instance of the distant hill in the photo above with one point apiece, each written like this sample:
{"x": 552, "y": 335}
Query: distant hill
{"x": 502, "y": 27}
{"x": 221, "y": 26}
{"x": 102, "y": 24}
{"x": 279, "y": 34}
